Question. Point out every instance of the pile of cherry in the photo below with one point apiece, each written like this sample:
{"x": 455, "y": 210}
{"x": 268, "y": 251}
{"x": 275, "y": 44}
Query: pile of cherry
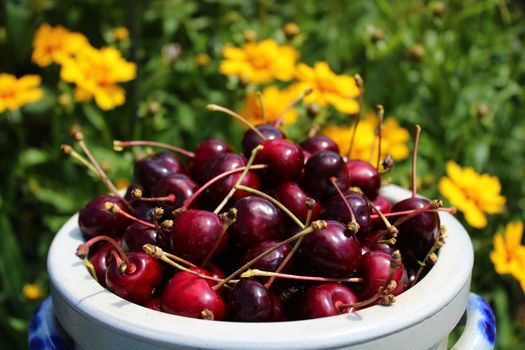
{"x": 284, "y": 231}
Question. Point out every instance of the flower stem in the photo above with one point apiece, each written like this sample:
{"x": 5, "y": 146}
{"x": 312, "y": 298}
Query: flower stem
{"x": 120, "y": 145}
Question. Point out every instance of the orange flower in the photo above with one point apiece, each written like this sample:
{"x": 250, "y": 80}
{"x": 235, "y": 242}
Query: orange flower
{"x": 56, "y": 44}
{"x": 15, "y": 93}
{"x": 275, "y": 102}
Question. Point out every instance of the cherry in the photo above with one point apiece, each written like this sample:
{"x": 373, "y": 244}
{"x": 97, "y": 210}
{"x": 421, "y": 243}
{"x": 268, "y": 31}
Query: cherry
{"x": 383, "y": 205}
{"x": 195, "y": 233}
{"x": 180, "y": 185}
{"x": 136, "y": 281}
{"x": 277, "y": 314}
{"x": 130, "y": 198}
{"x": 292, "y": 196}
{"x": 189, "y": 295}
{"x": 326, "y": 300}
{"x": 137, "y": 234}
{"x": 319, "y": 143}
{"x": 153, "y": 304}
{"x": 100, "y": 259}
{"x": 95, "y": 220}
{"x": 336, "y": 210}
{"x": 331, "y": 252}
{"x": 284, "y": 158}
{"x": 149, "y": 170}
{"x": 220, "y": 164}
{"x": 319, "y": 170}
{"x": 205, "y": 151}
{"x": 365, "y": 176}
{"x": 375, "y": 270}
{"x": 257, "y": 220}
{"x": 250, "y": 139}
{"x": 271, "y": 261}
{"x": 249, "y": 301}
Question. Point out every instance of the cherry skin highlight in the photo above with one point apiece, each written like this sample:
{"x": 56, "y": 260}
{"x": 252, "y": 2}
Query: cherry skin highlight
{"x": 319, "y": 143}
{"x": 250, "y": 139}
{"x": 318, "y": 172}
{"x": 205, "y": 151}
{"x": 284, "y": 158}
{"x": 365, "y": 176}
{"x": 95, "y": 220}
{"x": 326, "y": 299}
{"x": 336, "y": 210}
{"x": 293, "y": 197}
{"x": 249, "y": 301}
{"x": 149, "y": 170}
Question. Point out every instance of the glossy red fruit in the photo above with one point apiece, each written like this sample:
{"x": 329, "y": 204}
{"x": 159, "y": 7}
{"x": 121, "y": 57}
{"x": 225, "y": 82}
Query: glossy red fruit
{"x": 138, "y": 282}
{"x": 384, "y": 205}
{"x": 318, "y": 172}
{"x": 284, "y": 158}
{"x": 250, "y": 139}
{"x": 375, "y": 268}
{"x": 180, "y": 185}
{"x": 192, "y": 296}
{"x": 319, "y": 143}
{"x": 257, "y": 220}
{"x": 271, "y": 261}
{"x": 153, "y": 304}
{"x": 292, "y": 196}
{"x": 365, "y": 176}
{"x": 331, "y": 252}
{"x": 94, "y": 219}
{"x": 327, "y": 300}
{"x": 416, "y": 235}
{"x": 249, "y": 301}
{"x": 101, "y": 258}
{"x": 205, "y": 151}
{"x": 149, "y": 170}
{"x": 137, "y": 234}
{"x": 336, "y": 210}
{"x": 195, "y": 233}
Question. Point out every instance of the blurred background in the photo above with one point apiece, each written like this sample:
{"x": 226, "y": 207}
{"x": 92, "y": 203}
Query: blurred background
{"x": 147, "y": 69}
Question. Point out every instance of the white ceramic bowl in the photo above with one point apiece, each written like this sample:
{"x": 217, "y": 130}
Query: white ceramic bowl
{"x": 421, "y": 318}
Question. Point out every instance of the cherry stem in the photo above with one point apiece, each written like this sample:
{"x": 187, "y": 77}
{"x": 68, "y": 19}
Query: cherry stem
{"x": 228, "y": 218}
{"x": 451, "y": 210}
{"x": 414, "y": 160}
{"x": 274, "y": 201}
{"x": 263, "y": 107}
{"x": 296, "y": 100}
{"x": 309, "y": 203}
{"x": 437, "y": 244}
{"x": 157, "y": 253}
{"x": 260, "y": 273}
{"x": 83, "y": 249}
{"x": 380, "y": 114}
{"x": 137, "y": 195}
{"x": 68, "y": 150}
{"x": 380, "y": 214}
{"x": 114, "y": 208}
{"x": 79, "y": 138}
{"x": 119, "y": 145}
{"x": 201, "y": 189}
{"x": 353, "y": 225}
{"x": 243, "y": 120}
{"x": 239, "y": 180}
{"x": 314, "y": 130}
{"x": 361, "y": 87}
{"x": 315, "y": 226}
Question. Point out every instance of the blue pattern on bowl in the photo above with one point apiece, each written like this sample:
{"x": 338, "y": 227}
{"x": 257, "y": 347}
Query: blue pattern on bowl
{"x": 44, "y": 331}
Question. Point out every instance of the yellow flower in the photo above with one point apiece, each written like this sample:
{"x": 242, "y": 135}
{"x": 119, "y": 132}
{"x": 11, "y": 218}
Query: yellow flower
{"x": 508, "y": 255}
{"x": 393, "y": 142}
{"x": 96, "y": 73}
{"x": 275, "y": 102}
{"x": 15, "y": 93}
{"x": 259, "y": 62}
{"x": 473, "y": 194}
{"x": 32, "y": 291}
{"x": 121, "y": 33}
{"x": 339, "y": 91}
{"x": 56, "y": 44}
{"x": 202, "y": 59}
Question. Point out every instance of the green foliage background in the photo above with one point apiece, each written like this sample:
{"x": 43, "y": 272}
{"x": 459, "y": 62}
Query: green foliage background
{"x": 455, "y": 67}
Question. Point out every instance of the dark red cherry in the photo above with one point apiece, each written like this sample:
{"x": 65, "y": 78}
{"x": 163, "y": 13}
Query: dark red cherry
{"x": 284, "y": 158}
{"x": 319, "y": 143}
{"x": 292, "y": 196}
{"x": 271, "y": 261}
{"x": 192, "y": 296}
{"x": 129, "y": 197}
{"x": 153, "y": 304}
{"x": 250, "y": 139}
{"x": 205, "y": 151}
{"x": 195, "y": 233}
{"x": 375, "y": 268}
{"x": 327, "y": 300}
{"x": 278, "y": 314}
{"x": 220, "y": 164}
{"x": 384, "y": 205}
{"x": 331, "y": 252}
{"x": 257, "y": 220}
{"x": 365, "y": 176}
{"x": 416, "y": 235}
{"x": 149, "y": 170}
{"x": 138, "y": 282}
{"x": 319, "y": 170}
{"x": 249, "y": 301}
{"x": 180, "y": 185}
{"x": 100, "y": 258}
{"x": 137, "y": 234}
{"x": 336, "y": 210}
{"x": 94, "y": 219}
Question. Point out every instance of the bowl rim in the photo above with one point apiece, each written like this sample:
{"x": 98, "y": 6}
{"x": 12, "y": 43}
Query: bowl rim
{"x": 72, "y": 284}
